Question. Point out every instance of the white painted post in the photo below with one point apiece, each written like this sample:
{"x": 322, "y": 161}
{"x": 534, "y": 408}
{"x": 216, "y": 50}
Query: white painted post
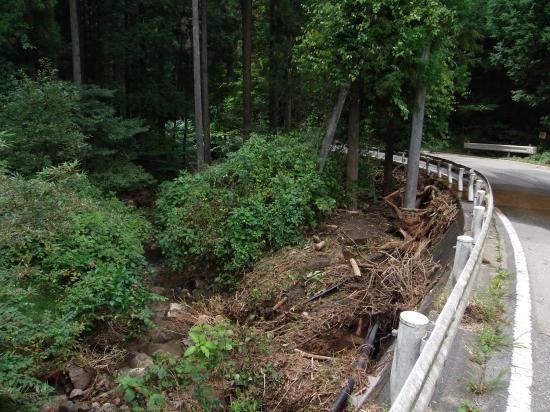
{"x": 477, "y": 186}
{"x": 471, "y": 186}
{"x": 427, "y": 164}
{"x": 402, "y": 157}
{"x": 461, "y": 179}
{"x": 480, "y": 198}
{"x": 377, "y": 152}
{"x": 464, "y": 245}
{"x": 439, "y": 169}
{"x": 412, "y": 328}
{"x": 450, "y": 173}
{"x": 477, "y": 222}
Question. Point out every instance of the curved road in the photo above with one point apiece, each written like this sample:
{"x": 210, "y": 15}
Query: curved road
{"x": 522, "y": 193}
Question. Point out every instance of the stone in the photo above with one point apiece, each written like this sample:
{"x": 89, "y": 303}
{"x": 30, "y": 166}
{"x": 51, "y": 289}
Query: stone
{"x": 161, "y": 335}
{"x": 135, "y": 372}
{"x": 173, "y": 347}
{"x": 319, "y": 262}
{"x": 108, "y": 407}
{"x": 174, "y": 310}
{"x": 75, "y": 393}
{"x": 67, "y": 406}
{"x": 141, "y": 360}
{"x": 80, "y": 378}
{"x": 53, "y": 404}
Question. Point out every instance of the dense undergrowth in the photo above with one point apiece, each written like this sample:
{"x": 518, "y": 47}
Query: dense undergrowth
{"x": 261, "y": 198}
{"x": 69, "y": 261}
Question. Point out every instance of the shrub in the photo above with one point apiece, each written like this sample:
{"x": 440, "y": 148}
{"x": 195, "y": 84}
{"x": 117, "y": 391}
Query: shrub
{"x": 209, "y": 363}
{"x": 69, "y": 259}
{"x": 42, "y": 130}
{"x": 261, "y": 198}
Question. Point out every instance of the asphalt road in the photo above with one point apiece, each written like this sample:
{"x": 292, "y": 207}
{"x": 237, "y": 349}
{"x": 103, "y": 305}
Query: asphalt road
{"x": 522, "y": 193}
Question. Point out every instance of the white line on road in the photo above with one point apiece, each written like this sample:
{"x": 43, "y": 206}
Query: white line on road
{"x": 519, "y": 390}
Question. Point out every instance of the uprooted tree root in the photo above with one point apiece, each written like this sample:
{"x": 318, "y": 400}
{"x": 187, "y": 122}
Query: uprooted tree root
{"x": 315, "y": 310}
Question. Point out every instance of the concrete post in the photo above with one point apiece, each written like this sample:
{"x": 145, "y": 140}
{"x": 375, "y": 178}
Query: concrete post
{"x": 471, "y": 186}
{"x": 450, "y": 173}
{"x": 478, "y": 185}
{"x": 461, "y": 179}
{"x": 439, "y": 169}
{"x": 464, "y": 245}
{"x": 403, "y": 158}
{"x": 412, "y": 328}
{"x": 427, "y": 164}
{"x": 479, "y": 198}
{"x": 377, "y": 152}
{"x": 477, "y": 222}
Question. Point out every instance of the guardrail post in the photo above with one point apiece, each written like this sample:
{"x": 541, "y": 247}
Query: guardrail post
{"x": 477, "y": 222}
{"x": 471, "y": 186}
{"x": 450, "y": 173}
{"x": 403, "y": 158}
{"x": 412, "y": 328}
{"x": 377, "y": 152}
{"x": 480, "y": 198}
{"x": 464, "y": 245}
{"x": 461, "y": 179}
{"x": 439, "y": 169}
{"x": 427, "y": 164}
{"x": 477, "y": 186}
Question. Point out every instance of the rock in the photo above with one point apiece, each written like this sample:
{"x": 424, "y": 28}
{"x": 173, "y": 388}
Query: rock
{"x": 159, "y": 310}
{"x": 319, "y": 262}
{"x": 117, "y": 401}
{"x": 60, "y": 404}
{"x": 141, "y": 360}
{"x": 161, "y": 335}
{"x": 174, "y": 309}
{"x": 108, "y": 407}
{"x": 132, "y": 372}
{"x": 96, "y": 405}
{"x": 173, "y": 347}
{"x": 75, "y": 393}
{"x": 53, "y": 404}
{"x": 79, "y": 377}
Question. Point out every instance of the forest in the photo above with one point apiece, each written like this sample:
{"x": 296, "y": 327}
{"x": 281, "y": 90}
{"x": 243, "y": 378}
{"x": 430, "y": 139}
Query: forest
{"x": 160, "y": 153}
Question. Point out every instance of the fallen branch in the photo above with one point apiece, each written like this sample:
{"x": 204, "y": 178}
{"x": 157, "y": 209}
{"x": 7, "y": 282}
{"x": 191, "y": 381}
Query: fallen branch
{"x": 279, "y": 304}
{"x": 355, "y": 267}
{"x": 313, "y": 356}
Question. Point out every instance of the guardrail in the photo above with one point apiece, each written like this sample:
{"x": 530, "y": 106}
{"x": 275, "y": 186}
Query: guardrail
{"x": 413, "y": 382}
{"x": 501, "y": 148}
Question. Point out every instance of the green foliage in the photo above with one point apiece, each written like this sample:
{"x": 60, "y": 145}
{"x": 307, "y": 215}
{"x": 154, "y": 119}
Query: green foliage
{"x": 69, "y": 260}
{"x": 42, "y": 130}
{"x": 261, "y": 198}
{"x": 113, "y": 142}
{"x": 206, "y": 361}
{"x": 522, "y": 33}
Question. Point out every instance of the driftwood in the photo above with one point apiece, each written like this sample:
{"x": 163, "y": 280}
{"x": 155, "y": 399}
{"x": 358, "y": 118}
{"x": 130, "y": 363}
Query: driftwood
{"x": 355, "y": 267}
{"x": 279, "y": 304}
{"x": 313, "y": 356}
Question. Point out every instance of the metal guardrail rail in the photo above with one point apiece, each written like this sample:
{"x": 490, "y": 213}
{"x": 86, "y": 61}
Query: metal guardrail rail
{"x": 501, "y": 148}
{"x": 417, "y": 390}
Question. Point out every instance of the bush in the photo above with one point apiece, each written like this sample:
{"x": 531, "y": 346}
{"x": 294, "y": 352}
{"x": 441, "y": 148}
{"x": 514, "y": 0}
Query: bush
{"x": 69, "y": 259}
{"x": 41, "y": 128}
{"x": 261, "y": 198}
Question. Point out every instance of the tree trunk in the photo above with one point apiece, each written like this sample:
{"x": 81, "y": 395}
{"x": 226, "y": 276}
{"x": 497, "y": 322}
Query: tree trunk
{"x": 247, "y": 62}
{"x": 204, "y": 78}
{"x": 75, "y": 43}
{"x": 331, "y": 127}
{"x": 387, "y": 183}
{"x": 199, "y": 134}
{"x": 273, "y": 70}
{"x": 354, "y": 123}
{"x": 416, "y": 141}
